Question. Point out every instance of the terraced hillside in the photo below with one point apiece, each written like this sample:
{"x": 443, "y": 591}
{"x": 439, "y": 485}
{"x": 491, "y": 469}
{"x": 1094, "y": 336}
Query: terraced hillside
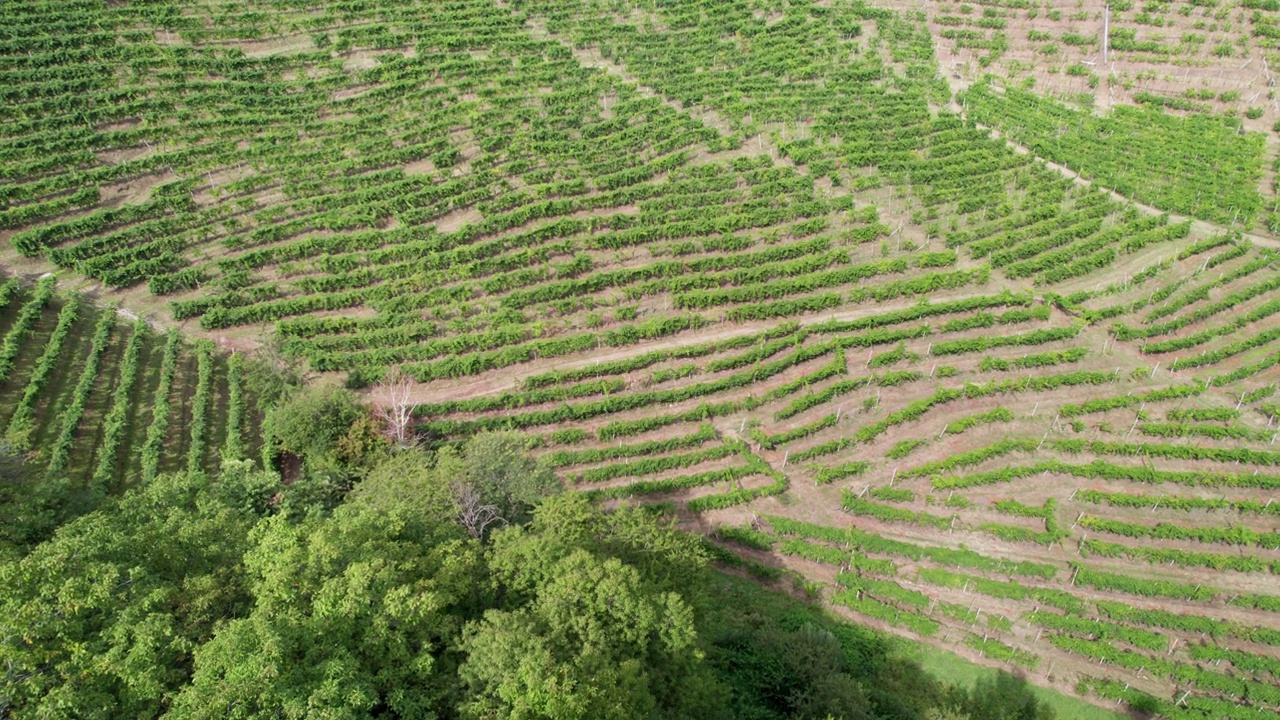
{"x": 1141, "y": 64}
{"x": 1189, "y": 57}
{"x": 752, "y": 259}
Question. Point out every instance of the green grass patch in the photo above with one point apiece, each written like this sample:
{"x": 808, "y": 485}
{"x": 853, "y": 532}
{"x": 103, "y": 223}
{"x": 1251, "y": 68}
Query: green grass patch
{"x": 948, "y": 666}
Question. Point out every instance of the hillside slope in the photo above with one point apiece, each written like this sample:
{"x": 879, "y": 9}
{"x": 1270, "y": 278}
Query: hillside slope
{"x": 754, "y": 260}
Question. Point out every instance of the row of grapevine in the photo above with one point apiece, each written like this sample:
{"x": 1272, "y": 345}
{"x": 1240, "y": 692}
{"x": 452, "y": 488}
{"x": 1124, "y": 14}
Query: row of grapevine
{"x": 91, "y": 401}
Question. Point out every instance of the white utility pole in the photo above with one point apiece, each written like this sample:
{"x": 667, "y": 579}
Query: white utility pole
{"x": 1106, "y": 31}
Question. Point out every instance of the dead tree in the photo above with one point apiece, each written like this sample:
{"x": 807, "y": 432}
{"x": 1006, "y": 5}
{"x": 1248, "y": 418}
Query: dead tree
{"x": 474, "y": 514}
{"x": 393, "y": 406}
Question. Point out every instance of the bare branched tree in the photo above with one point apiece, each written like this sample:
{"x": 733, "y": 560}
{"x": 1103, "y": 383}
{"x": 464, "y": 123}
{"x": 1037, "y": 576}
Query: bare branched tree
{"x": 474, "y": 514}
{"x": 393, "y": 405}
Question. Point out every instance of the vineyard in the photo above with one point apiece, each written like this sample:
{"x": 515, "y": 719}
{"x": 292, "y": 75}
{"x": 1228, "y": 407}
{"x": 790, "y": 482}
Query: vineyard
{"x": 100, "y": 402}
{"x": 1187, "y": 57}
{"x": 753, "y": 262}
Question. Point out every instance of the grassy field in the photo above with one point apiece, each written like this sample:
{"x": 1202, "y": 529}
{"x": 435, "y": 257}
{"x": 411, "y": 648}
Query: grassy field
{"x": 954, "y": 668}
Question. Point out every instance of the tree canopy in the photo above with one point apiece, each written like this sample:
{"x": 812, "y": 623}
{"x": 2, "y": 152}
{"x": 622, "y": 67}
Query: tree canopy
{"x": 244, "y": 596}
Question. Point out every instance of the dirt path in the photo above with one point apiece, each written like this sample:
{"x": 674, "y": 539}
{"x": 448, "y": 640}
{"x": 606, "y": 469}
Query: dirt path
{"x": 134, "y": 302}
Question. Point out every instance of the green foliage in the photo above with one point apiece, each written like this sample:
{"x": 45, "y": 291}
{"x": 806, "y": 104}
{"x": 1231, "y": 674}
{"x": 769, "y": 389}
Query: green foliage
{"x": 9, "y": 291}
{"x": 746, "y": 536}
{"x": 200, "y": 407}
{"x": 871, "y": 543}
{"x": 738, "y": 494}
{"x": 498, "y": 466}
{"x": 865, "y": 603}
{"x": 1004, "y": 696}
{"x": 153, "y": 446}
{"x": 310, "y": 424}
{"x": 1155, "y": 140}
{"x": 1139, "y": 586}
{"x": 826, "y": 448}
{"x": 569, "y": 436}
{"x": 826, "y": 475}
{"x": 1000, "y": 414}
{"x": 1123, "y": 331}
{"x": 174, "y": 598}
{"x": 411, "y": 481}
{"x": 655, "y": 465}
{"x": 69, "y": 420}
{"x": 1241, "y": 689}
{"x": 1185, "y": 622}
{"x": 564, "y": 458}
{"x": 783, "y": 659}
{"x": 30, "y": 509}
{"x": 1057, "y": 357}
{"x": 22, "y": 326}
{"x": 485, "y": 204}
{"x": 898, "y": 354}
{"x": 113, "y": 425}
{"x": 851, "y": 504}
{"x": 270, "y": 379}
{"x": 731, "y": 476}
{"x": 103, "y": 618}
{"x": 1238, "y": 535}
{"x": 979, "y": 344}
{"x": 594, "y": 606}
{"x": 1172, "y": 556}
{"x": 889, "y": 494}
{"x": 233, "y": 446}
{"x": 723, "y": 557}
{"x": 918, "y": 408}
{"x": 1013, "y": 590}
{"x": 22, "y": 422}
{"x": 903, "y": 448}
{"x": 593, "y": 640}
{"x": 999, "y": 651}
{"x": 340, "y": 608}
{"x": 1173, "y": 502}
